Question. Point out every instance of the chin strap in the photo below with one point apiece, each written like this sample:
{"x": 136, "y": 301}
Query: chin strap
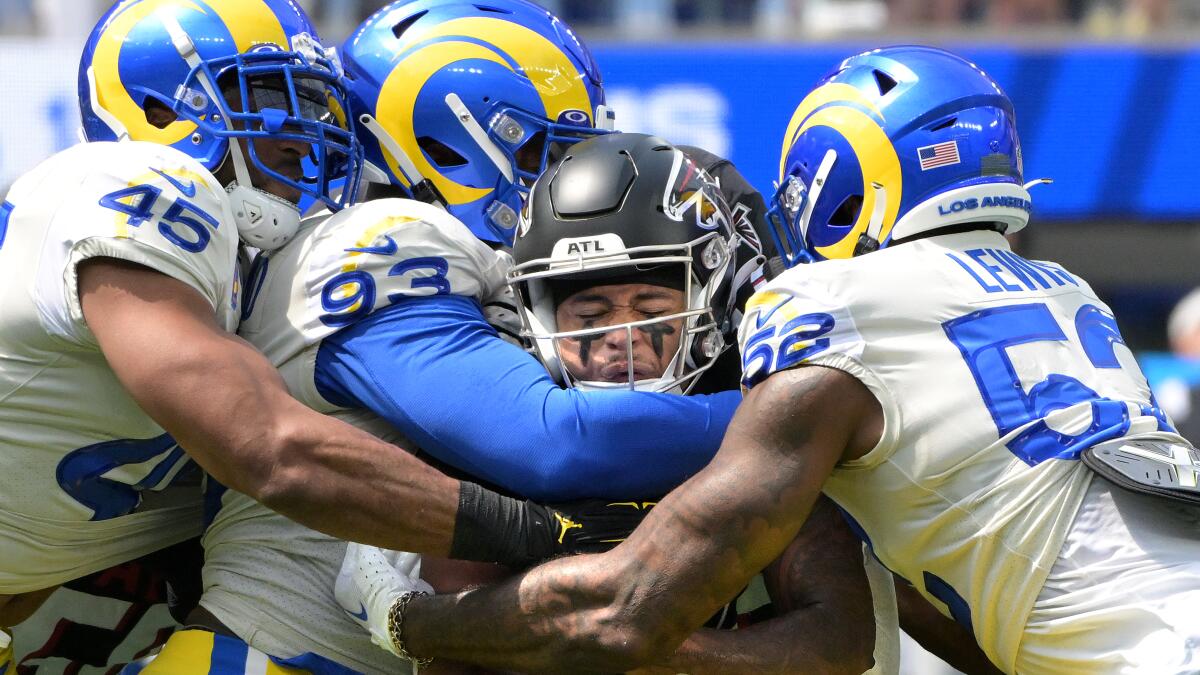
{"x": 869, "y": 241}
{"x": 105, "y": 116}
{"x": 422, "y": 188}
{"x": 477, "y": 134}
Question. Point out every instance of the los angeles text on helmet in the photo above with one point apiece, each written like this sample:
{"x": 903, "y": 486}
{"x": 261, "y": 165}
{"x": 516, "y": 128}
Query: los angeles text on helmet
{"x": 999, "y": 201}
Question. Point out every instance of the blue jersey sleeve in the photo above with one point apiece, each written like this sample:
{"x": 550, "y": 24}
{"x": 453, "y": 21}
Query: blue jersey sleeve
{"x": 438, "y": 372}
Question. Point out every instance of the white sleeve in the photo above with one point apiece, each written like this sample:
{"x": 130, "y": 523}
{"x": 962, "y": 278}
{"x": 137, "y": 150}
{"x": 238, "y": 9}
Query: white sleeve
{"x": 791, "y": 324}
{"x": 799, "y": 320}
{"x": 143, "y": 203}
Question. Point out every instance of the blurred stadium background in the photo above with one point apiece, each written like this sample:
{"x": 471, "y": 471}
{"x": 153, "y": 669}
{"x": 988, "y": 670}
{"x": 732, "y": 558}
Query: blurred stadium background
{"x": 1105, "y": 90}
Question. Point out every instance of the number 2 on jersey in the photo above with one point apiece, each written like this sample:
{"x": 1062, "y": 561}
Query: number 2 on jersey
{"x": 984, "y": 337}
{"x": 138, "y": 203}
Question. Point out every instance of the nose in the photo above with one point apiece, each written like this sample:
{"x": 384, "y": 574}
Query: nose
{"x": 619, "y": 337}
{"x": 295, "y": 147}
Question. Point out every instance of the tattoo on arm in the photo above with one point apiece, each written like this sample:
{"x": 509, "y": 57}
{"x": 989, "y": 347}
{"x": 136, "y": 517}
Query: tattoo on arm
{"x": 696, "y": 549}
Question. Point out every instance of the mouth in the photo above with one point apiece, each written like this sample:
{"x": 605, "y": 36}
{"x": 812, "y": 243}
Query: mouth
{"x": 618, "y": 371}
{"x": 293, "y": 172}
{"x": 283, "y": 190}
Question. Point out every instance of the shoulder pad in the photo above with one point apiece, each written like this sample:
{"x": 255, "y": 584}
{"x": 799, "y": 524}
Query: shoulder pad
{"x": 381, "y": 252}
{"x": 790, "y": 324}
{"x": 144, "y": 203}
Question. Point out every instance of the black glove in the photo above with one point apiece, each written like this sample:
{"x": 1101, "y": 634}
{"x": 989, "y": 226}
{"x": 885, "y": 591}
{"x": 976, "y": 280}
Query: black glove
{"x": 593, "y": 525}
{"x": 493, "y": 528}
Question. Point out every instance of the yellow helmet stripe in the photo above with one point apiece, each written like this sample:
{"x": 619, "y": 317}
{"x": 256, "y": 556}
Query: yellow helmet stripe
{"x": 251, "y": 23}
{"x": 111, "y": 91}
{"x": 555, "y": 77}
{"x": 829, "y": 93}
{"x": 876, "y": 157}
{"x": 398, "y": 100}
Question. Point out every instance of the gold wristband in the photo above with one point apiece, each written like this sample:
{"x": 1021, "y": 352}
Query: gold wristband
{"x": 396, "y": 628}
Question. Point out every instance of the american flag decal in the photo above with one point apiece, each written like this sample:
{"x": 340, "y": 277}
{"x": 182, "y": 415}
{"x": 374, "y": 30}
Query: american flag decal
{"x": 939, "y": 154}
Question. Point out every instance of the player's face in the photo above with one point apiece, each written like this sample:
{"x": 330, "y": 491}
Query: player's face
{"x": 280, "y": 155}
{"x": 605, "y": 356}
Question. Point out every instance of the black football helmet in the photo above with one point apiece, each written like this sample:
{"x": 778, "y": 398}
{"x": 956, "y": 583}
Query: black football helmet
{"x": 627, "y": 208}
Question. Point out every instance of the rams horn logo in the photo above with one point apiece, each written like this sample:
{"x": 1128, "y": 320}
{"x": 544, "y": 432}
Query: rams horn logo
{"x": 854, "y": 117}
{"x": 555, "y": 77}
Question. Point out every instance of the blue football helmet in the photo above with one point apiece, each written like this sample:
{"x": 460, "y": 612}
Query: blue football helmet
{"x": 896, "y": 142}
{"x": 465, "y": 103}
{"x": 189, "y": 55}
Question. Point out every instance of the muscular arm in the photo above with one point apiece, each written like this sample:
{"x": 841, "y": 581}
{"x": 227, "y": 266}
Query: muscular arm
{"x": 637, "y": 603}
{"x": 438, "y": 372}
{"x": 943, "y": 637}
{"x": 825, "y": 622}
{"x": 224, "y": 403}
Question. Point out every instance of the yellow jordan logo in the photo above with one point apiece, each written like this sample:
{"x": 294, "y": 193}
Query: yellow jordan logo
{"x": 642, "y": 506}
{"x": 566, "y": 524}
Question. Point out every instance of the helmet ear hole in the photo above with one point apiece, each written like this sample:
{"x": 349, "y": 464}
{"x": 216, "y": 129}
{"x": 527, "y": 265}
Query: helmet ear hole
{"x": 496, "y": 10}
{"x": 398, "y": 29}
{"x": 944, "y": 124}
{"x": 158, "y": 114}
{"x": 886, "y": 82}
{"x": 847, "y": 212}
{"x": 440, "y": 153}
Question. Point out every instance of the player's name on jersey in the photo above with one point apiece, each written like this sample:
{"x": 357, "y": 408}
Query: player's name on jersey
{"x": 999, "y": 271}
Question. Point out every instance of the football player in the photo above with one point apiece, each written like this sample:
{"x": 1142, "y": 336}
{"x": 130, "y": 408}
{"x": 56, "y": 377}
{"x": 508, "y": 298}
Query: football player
{"x": 122, "y": 288}
{"x": 613, "y": 274}
{"x": 374, "y": 315}
{"x": 940, "y": 388}
{"x": 212, "y": 119}
{"x": 621, "y": 272}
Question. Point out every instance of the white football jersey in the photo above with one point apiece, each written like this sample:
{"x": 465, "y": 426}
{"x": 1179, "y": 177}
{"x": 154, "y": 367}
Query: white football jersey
{"x": 83, "y": 486}
{"x": 342, "y": 267}
{"x": 267, "y": 578}
{"x": 993, "y": 373}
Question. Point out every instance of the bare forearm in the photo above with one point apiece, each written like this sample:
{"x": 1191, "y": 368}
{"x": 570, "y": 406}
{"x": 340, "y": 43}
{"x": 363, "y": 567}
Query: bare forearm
{"x": 598, "y": 613}
{"x": 312, "y": 468}
{"x": 638, "y": 602}
{"x": 344, "y": 482}
{"x": 943, "y": 637}
{"x": 825, "y": 621}
{"x": 225, "y": 404}
{"x": 565, "y": 628}
{"x": 798, "y": 644}
{"x": 698, "y": 548}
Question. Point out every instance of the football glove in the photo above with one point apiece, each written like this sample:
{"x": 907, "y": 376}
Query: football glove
{"x": 593, "y": 525}
{"x": 491, "y": 527}
{"x": 371, "y": 581}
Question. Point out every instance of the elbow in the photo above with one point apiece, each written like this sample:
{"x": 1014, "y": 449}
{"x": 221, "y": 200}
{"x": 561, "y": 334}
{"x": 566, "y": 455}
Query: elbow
{"x": 274, "y": 471}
